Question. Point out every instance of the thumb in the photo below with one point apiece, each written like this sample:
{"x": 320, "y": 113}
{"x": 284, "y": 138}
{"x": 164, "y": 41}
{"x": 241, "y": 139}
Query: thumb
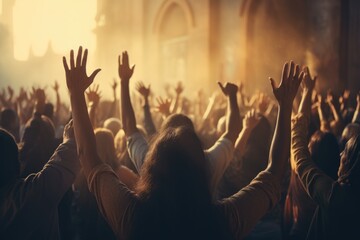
{"x": 221, "y": 87}
{"x": 92, "y": 76}
{"x": 272, "y": 81}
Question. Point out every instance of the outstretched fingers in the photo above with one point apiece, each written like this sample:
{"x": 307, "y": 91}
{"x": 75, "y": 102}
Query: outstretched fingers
{"x": 78, "y": 58}
{"x": 66, "y": 67}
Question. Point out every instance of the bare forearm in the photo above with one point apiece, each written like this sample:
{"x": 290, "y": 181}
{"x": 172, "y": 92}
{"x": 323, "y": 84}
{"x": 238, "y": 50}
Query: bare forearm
{"x": 335, "y": 112}
{"x": 233, "y": 119}
{"x": 305, "y": 104}
{"x": 280, "y": 146}
{"x": 148, "y": 121}
{"x": 84, "y": 134}
{"x": 241, "y": 141}
{"x": 127, "y": 111}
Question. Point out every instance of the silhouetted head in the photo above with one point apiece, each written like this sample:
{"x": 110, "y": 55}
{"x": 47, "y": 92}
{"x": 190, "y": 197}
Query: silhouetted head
{"x": 177, "y": 120}
{"x": 324, "y": 150}
{"x": 105, "y": 146}
{"x": 9, "y": 160}
{"x": 175, "y": 164}
{"x": 39, "y": 130}
{"x": 113, "y": 124}
{"x": 37, "y": 145}
{"x": 349, "y": 170}
{"x": 49, "y": 110}
{"x": 9, "y": 120}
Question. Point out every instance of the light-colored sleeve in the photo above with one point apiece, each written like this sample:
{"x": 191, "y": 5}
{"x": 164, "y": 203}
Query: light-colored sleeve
{"x": 137, "y": 148}
{"x": 317, "y": 184}
{"x": 245, "y": 208}
{"x": 219, "y": 157}
{"x": 115, "y": 201}
{"x": 57, "y": 175}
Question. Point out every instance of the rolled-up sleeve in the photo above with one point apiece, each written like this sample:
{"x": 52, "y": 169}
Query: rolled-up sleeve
{"x": 219, "y": 157}
{"x": 244, "y": 209}
{"x": 115, "y": 201}
{"x": 317, "y": 184}
{"x": 137, "y": 148}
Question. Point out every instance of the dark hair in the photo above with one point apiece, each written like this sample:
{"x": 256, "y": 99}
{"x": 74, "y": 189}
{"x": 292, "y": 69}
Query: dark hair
{"x": 49, "y": 110}
{"x": 9, "y": 120}
{"x": 324, "y": 150}
{"x": 177, "y": 120}
{"x": 175, "y": 160}
{"x": 175, "y": 200}
{"x": 38, "y": 144}
{"x": 9, "y": 161}
{"x": 349, "y": 172}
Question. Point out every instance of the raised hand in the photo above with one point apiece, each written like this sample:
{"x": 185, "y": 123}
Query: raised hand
{"x": 228, "y": 89}
{"x": 76, "y": 78}
{"x": 39, "y": 95}
{"x": 11, "y": 92}
{"x": 56, "y": 86}
{"x": 163, "y": 106}
{"x": 179, "y": 89}
{"x": 94, "y": 94}
{"x": 144, "y": 91}
{"x": 22, "y": 95}
{"x": 290, "y": 81}
{"x": 250, "y": 120}
{"x": 308, "y": 83}
{"x": 114, "y": 84}
{"x": 263, "y": 103}
{"x": 125, "y": 72}
{"x": 69, "y": 131}
{"x": 330, "y": 97}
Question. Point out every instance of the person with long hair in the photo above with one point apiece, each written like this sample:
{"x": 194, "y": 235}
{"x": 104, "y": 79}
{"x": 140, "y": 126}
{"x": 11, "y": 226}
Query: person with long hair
{"x": 173, "y": 199}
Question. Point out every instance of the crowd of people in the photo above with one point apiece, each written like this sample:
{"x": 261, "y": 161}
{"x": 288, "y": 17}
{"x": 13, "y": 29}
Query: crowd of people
{"x": 231, "y": 166}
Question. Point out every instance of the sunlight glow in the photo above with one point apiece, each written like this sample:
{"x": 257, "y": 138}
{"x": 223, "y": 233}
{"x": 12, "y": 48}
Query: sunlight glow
{"x": 65, "y": 24}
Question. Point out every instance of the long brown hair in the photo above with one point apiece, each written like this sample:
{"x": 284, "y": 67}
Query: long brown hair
{"x": 175, "y": 200}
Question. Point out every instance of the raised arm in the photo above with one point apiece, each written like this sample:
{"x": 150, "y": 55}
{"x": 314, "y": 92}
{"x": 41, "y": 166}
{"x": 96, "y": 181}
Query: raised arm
{"x": 58, "y": 100}
{"x": 316, "y": 183}
{"x": 178, "y": 90}
{"x": 77, "y": 82}
{"x": 112, "y": 196}
{"x": 127, "y": 111}
{"x": 233, "y": 113}
{"x": 284, "y": 94}
{"x": 308, "y": 85}
{"x": 249, "y": 122}
{"x": 93, "y": 96}
{"x": 245, "y": 208}
{"x": 148, "y": 121}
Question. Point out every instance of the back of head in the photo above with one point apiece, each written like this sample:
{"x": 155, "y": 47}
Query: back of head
{"x": 39, "y": 130}
{"x": 177, "y": 120}
{"x": 105, "y": 146}
{"x": 174, "y": 191}
{"x": 49, "y": 110}
{"x": 113, "y": 124}
{"x": 9, "y": 120}
{"x": 349, "y": 170}
{"x": 38, "y": 144}
{"x": 175, "y": 161}
{"x": 324, "y": 150}
{"x": 9, "y": 161}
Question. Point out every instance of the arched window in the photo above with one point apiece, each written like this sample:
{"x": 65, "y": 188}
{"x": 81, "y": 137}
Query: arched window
{"x": 172, "y": 26}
